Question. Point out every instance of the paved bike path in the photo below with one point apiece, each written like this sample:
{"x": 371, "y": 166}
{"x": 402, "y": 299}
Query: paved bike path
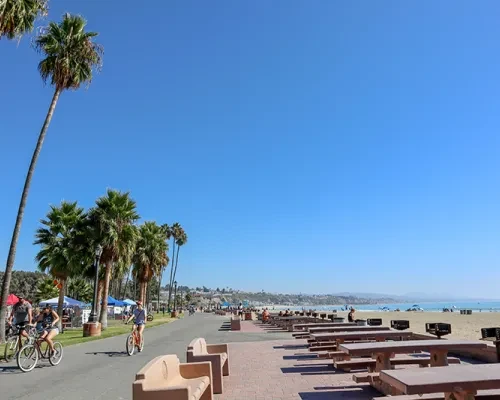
{"x": 102, "y": 370}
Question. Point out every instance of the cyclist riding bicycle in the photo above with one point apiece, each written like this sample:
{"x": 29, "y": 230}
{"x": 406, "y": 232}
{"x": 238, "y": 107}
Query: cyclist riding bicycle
{"x": 139, "y": 316}
{"x": 46, "y": 325}
{"x": 23, "y": 315}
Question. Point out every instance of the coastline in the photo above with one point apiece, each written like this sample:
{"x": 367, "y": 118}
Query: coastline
{"x": 462, "y": 326}
{"x": 466, "y": 327}
{"x": 433, "y": 307}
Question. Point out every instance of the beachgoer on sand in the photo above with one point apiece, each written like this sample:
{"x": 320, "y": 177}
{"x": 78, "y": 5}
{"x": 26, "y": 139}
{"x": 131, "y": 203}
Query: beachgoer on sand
{"x": 350, "y": 316}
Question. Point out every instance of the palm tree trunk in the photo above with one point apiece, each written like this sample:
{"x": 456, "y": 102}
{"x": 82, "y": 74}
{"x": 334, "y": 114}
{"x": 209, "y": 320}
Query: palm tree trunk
{"x": 171, "y": 274}
{"x": 60, "y": 303}
{"x": 20, "y": 213}
{"x": 176, "y": 261}
{"x": 119, "y": 289}
{"x": 103, "y": 318}
{"x": 126, "y": 285}
{"x": 142, "y": 295}
{"x": 159, "y": 289}
{"x": 99, "y": 297}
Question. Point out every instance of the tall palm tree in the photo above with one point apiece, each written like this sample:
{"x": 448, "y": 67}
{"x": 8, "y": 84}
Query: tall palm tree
{"x": 71, "y": 58}
{"x": 46, "y": 290}
{"x": 150, "y": 254}
{"x": 58, "y": 237}
{"x": 17, "y": 17}
{"x": 175, "y": 232}
{"x": 168, "y": 234}
{"x": 113, "y": 219}
{"x": 181, "y": 241}
{"x": 80, "y": 289}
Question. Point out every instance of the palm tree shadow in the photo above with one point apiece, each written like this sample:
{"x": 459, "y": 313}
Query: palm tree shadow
{"x": 109, "y": 353}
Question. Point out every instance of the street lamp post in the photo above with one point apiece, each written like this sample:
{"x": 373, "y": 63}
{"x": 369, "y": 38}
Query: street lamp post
{"x": 93, "y": 313}
{"x": 175, "y": 296}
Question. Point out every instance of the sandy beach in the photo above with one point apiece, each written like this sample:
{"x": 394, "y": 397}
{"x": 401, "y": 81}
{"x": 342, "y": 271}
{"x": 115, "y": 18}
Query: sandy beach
{"x": 462, "y": 326}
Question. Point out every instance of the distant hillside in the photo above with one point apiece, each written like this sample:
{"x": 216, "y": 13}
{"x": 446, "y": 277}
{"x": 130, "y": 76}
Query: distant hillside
{"x": 264, "y": 298}
{"x": 304, "y": 299}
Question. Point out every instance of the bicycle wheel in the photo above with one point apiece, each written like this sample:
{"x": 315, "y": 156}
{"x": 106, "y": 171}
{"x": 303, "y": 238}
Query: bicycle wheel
{"x": 57, "y": 356}
{"x": 27, "y": 358}
{"x": 10, "y": 348}
{"x": 130, "y": 345}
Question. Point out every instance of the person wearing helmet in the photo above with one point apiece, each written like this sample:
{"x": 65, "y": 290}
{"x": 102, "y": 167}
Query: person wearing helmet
{"x": 139, "y": 316}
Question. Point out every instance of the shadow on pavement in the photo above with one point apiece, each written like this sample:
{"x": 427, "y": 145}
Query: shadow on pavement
{"x": 11, "y": 369}
{"x": 347, "y": 392}
{"x": 313, "y": 369}
{"x": 109, "y": 353}
{"x": 226, "y": 326}
{"x": 14, "y": 369}
{"x": 291, "y": 347}
{"x": 299, "y": 357}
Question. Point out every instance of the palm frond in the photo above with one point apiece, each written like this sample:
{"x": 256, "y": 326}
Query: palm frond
{"x": 71, "y": 55}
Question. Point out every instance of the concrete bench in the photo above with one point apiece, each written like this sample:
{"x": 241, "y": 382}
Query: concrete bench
{"x": 165, "y": 377}
{"x": 235, "y": 324}
{"x": 370, "y": 363}
{"x": 199, "y": 351}
{"x": 366, "y": 377}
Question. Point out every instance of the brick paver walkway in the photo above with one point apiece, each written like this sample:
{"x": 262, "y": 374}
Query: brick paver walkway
{"x": 282, "y": 370}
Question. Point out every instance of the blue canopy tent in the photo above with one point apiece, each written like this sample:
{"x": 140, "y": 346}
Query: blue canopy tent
{"x": 114, "y": 302}
{"x": 68, "y": 302}
{"x": 226, "y": 304}
{"x": 129, "y": 302}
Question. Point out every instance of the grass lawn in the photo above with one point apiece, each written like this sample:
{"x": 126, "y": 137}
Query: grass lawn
{"x": 115, "y": 328}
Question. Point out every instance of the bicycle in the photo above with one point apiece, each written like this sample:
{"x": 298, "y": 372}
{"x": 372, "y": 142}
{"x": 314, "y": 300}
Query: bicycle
{"x": 133, "y": 341}
{"x": 28, "y": 356}
{"x": 15, "y": 341}
{"x": 150, "y": 317}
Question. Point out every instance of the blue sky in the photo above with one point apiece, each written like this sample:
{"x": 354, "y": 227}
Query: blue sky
{"x": 311, "y": 147}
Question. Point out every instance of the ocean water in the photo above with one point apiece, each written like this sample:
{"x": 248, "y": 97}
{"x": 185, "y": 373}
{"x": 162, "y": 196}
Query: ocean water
{"x": 485, "y": 306}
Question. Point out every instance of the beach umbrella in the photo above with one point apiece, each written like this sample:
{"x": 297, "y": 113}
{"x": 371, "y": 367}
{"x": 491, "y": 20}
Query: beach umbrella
{"x": 12, "y": 299}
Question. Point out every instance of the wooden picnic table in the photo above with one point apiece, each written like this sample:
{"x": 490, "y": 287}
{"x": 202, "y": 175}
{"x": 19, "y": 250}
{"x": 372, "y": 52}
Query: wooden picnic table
{"x": 378, "y": 335}
{"x": 438, "y": 349}
{"x": 462, "y": 381}
{"x": 288, "y": 318}
{"x": 349, "y": 328}
{"x": 308, "y": 326}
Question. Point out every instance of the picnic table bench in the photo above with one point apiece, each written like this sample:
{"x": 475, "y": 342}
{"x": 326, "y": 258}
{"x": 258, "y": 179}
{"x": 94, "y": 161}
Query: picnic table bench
{"x": 333, "y": 329}
{"x": 383, "y": 351}
{"x": 305, "y": 327}
{"x": 370, "y": 363}
{"x": 457, "y": 382}
{"x": 378, "y": 335}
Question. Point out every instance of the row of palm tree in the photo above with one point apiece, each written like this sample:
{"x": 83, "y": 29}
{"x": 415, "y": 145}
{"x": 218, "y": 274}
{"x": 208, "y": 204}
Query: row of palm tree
{"x": 69, "y": 234}
{"x": 70, "y": 56}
